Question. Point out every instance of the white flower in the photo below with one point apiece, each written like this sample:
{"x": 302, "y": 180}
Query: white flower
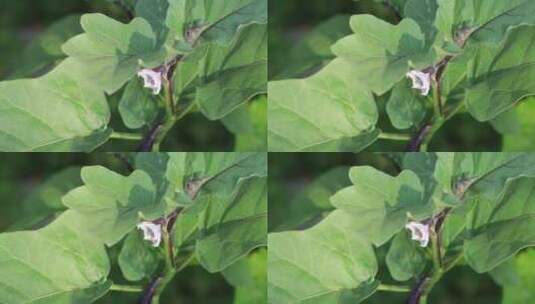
{"x": 152, "y": 80}
{"x": 420, "y": 81}
{"x": 151, "y": 232}
{"x": 420, "y": 232}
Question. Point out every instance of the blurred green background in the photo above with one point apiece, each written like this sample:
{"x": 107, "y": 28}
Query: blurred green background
{"x": 21, "y": 175}
{"x": 293, "y": 183}
{"x": 291, "y": 21}
{"x": 22, "y": 22}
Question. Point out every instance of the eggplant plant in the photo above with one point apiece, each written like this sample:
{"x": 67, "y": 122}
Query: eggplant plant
{"x": 106, "y": 233}
{"x": 403, "y": 79}
{"x": 440, "y": 211}
{"x": 93, "y": 79}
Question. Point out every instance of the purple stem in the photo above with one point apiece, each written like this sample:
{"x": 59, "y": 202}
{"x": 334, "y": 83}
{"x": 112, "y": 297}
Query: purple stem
{"x": 149, "y": 139}
{"x": 416, "y": 141}
{"x": 149, "y": 291}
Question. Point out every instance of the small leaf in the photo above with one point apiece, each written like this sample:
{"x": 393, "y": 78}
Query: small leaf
{"x": 138, "y": 259}
{"x": 405, "y": 107}
{"x": 138, "y": 107}
{"x": 405, "y": 258}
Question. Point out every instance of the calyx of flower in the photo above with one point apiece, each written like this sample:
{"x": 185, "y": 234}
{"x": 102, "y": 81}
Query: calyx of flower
{"x": 420, "y": 81}
{"x": 419, "y": 232}
{"x": 151, "y": 232}
{"x": 152, "y": 79}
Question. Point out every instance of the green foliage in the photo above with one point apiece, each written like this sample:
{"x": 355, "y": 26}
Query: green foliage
{"x": 211, "y": 58}
{"x": 478, "y": 208}
{"x": 477, "y": 56}
{"x": 212, "y": 212}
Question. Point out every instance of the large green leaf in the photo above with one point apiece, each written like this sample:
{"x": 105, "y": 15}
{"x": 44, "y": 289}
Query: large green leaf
{"x": 382, "y": 53}
{"x": 232, "y": 225}
{"x": 380, "y": 202}
{"x": 56, "y": 112}
{"x": 485, "y": 20}
{"x": 329, "y": 263}
{"x": 111, "y": 204}
{"x": 503, "y": 226}
{"x": 56, "y": 264}
{"x": 215, "y": 19}
{"x": 330, "y": 111}
{"x": 484, "y": 173}
{"x": 110, "y": 51}
{"x": 230, "y": 75}
{"x": 503, "y": 76}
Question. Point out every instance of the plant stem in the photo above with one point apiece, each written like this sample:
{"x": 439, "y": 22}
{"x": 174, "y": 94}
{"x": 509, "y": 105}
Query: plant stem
{"x": 393, "y": 136}
{"x": 393, "y": 288}
{"x": 126, "y": 288}
{"x": 126, "y": 136}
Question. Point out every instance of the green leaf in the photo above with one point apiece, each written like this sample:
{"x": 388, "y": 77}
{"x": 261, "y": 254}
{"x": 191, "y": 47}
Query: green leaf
{"x": 214, "y": 19}
{"x": 138, "y": 260}
{"x": 230, "y": 75}
{"x": 382, "y": 53}
{"x": 138, "y": 106}
{"x": 381, "y": 202}
{"x": 45, "y": 201}
{"x": 405, "y": 258}
{"x": 329, "y": 263}
{"x": 485, "y": 20}
{"x": 481, "y": 173}
{"x": 313, "y": 51}
{"x": 60, "y": 263}
{"x": 110, "y": 204}
{"x": 232, "y": 225}
{"x": 110, "y": 51}
{"x": 56, "y": 112}
{"x": 45, "y": 50}
{"x": 329, "y": 111}
{"x": 405, "y": 107}
{"x": 502, "y": 226}
{"x": 249, "y": 277}
{"x": 503, "y": 77}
